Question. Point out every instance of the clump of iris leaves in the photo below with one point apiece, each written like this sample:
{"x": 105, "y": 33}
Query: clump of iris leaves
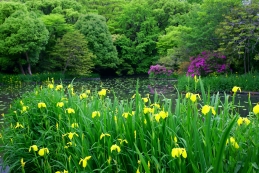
{"x": 84, "y": 130}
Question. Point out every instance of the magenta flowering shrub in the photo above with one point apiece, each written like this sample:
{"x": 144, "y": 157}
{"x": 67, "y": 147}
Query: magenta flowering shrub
{"x": 159, "y": 71}
{"x": 206, "y": 63}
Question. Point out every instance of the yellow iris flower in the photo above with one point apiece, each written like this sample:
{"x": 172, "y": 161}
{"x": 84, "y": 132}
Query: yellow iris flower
{"x": 51, "y": 86}
{"x": 193, "y": 97}
{"x": 83, "y": 96}
{"x": 71, "y": 135}
{"x": 188, "y": 95}
{"x": 115, "y": 147}
{"x": 206, "y": 109}
{"x": 41, "y": 105}
{"x": 43, "y": 151}
{"x": 74, "y": 125}
{"x": 33, "y": 147}
{"x": 235, "y": 89}
{"x": 65, "y": 171}
{"x": 22, "y": 162}
{"x": 84, "y": 161}
{"x": 157, "y": 117}
{"x": 163, "y": 114}
{"x": 60, "y": 104}
{"x": 256, "y": 109}
{"x": 24, "y": 109}
{"x": 18, "y": 125}
{"x": 177, "y": 152}
{"x": 196, "y": 79}
{"x": 58, "y": 87}
{"x": 125, "y": 114}
{"x": 121, "y": 141}
{"x": 95, "y": 113}
{"x": 102, "y": 92}
{"x": 103, "y": 135}
{"x": 233, "y": 142}
{"x": 145, "y": 100}
{"x": 70, "y": 111}
{"x": 242, "y": 120}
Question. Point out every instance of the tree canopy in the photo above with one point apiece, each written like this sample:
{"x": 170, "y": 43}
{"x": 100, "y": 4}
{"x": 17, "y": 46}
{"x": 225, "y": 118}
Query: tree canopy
{"x": 99, "y": 39}
{"x": 23, "y": 36}
{"x": 74, "y": 55}
{"x": 127, "y": 36}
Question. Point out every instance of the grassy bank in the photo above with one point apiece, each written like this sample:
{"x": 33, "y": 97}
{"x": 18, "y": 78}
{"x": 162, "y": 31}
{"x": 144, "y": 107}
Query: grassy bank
{"x": 38, "y": 78}
{"x": 222, "y": 83}
{"x": 58, "y": 129}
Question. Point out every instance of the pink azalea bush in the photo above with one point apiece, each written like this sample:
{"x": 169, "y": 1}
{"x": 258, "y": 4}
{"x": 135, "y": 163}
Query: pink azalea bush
{"x": 207, "y": 63}
{"x": 159, "y": 71}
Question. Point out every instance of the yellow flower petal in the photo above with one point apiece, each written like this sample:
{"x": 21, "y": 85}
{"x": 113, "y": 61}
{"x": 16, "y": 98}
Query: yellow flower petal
{"x": 256, "y": 109}
{"x": 115, "y": 147}
{"x": 235, "y": 89}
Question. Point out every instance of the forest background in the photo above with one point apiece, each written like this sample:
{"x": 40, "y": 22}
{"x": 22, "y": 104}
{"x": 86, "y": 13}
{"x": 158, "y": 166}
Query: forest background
{"x": 126, "y": 37}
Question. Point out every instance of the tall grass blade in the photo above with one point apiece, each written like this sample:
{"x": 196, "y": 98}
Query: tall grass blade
{"x": 218, "y": 163}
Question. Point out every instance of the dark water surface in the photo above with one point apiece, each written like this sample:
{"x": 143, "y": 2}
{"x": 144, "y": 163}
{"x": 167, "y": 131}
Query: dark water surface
{"x": 124, "y": 88}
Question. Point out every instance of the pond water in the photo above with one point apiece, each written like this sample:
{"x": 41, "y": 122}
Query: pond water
{"x": 124, "y": 88}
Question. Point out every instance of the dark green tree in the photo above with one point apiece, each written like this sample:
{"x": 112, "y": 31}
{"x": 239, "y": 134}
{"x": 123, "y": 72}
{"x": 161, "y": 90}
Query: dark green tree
{"x": 239, "y": 34}
{"x": 99, "y": 40}
{"x": 22, "y": 37}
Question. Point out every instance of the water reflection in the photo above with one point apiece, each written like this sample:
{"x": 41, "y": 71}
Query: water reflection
{"x": 3, "y": 170}
{"x": 123, "y": 88}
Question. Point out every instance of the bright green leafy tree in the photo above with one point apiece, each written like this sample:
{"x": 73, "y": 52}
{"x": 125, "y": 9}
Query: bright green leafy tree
{"x": 6, "y": 10}
{"x": 57, "y": 27}
{"x": 110, "y": 9}
{"x": 203, "y": 20}
{"x": 70, "y": 9}
{"x": 23, "y": 36}
{"x": 74, "y": 54}
{"x": 169, "y": 13}
{"x": 136, "y": 38}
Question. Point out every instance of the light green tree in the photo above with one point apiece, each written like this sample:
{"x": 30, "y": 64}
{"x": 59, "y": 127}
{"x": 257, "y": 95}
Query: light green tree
{"x": 74, "y": 55}
{"x": 57, "y": 27}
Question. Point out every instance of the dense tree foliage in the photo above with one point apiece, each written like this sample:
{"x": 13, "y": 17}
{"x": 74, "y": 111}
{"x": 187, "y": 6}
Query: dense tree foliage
{"x": 239, "y": 33}
{"x": 23, "y": 36}
{"x": 127, "y": 36}
{"x": 99, "y": 39}
{"x": 136, "y": 38}
{"x": 74, "y": 54}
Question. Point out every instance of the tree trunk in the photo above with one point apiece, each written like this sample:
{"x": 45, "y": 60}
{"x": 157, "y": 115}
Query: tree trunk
{"x": 21, "y": 68}
{"x": 248, "y": 61}
{"x": 245, "y": 61}
{"x": 29, "y": 64}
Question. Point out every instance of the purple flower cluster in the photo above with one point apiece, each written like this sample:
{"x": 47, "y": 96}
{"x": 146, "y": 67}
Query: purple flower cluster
{"x": 206, "y": 63}
{"x": 158, "y": 70}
